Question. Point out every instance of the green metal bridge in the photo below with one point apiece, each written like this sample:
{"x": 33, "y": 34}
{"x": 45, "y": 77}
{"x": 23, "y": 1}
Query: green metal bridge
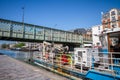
{"x": 19, "y": 31}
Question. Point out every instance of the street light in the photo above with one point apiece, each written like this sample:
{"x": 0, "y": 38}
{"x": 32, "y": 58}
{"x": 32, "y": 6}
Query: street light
{"x": 23, "y": 22}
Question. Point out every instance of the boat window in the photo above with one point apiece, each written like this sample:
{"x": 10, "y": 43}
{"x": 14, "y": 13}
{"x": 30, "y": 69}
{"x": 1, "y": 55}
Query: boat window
{"x": 80, "y": 53}
{"x": 79, "y": 59}
{"x": 83, "y": 51}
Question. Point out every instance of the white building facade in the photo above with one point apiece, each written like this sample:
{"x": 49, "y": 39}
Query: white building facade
{"x": 96, "y": 31}
{"x": 111, "y": 29}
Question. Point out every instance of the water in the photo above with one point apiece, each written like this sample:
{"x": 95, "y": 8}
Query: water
{"x": 20, "y": 55}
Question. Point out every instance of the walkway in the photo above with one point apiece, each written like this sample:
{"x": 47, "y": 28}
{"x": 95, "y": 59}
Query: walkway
{"x": 11, "y": 69}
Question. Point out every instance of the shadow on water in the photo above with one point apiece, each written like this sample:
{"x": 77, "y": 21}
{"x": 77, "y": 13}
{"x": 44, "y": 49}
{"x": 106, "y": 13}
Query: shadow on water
{"x": 20, "y": 55}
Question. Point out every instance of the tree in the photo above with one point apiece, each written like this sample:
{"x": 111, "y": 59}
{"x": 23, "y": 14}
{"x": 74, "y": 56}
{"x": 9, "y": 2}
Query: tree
{"x": 5, "y": 46}
{"x": 19, "y": 45}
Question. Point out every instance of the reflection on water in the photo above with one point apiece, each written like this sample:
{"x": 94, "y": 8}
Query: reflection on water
{"x": 21, "y": 55}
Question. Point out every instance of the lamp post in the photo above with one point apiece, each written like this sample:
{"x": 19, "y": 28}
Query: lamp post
{"x": 23, "y": 22}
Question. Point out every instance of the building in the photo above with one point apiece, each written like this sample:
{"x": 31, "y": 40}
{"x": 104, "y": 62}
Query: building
{"x": 111, "y": 19}
{"x": 96, "y": 31}
{"x": 87, "y": 38}
{"x": 80, "y": 31}
{"x": 110, "y": 36}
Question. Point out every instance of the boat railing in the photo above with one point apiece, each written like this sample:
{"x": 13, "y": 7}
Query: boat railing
{"x": 105, "y": 62}
{"x": 63, "y": 64}
{"x": 108, "y": 63}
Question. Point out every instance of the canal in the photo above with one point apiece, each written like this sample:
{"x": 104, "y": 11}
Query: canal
{"x": 18, "y": 67}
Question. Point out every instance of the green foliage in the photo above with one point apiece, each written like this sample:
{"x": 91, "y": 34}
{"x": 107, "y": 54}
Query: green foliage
{"x": 4, "y": 46}
{"x": 19, "y": 45}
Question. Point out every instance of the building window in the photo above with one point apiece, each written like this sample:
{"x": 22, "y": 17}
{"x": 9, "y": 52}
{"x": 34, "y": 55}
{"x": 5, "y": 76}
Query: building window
{"x": 112, "y": 13}
{"x": 113, "y": 18}
{"x": 98, "y": 27}
{"x": 119, "y": 13}
{"x": 105, "y": 16}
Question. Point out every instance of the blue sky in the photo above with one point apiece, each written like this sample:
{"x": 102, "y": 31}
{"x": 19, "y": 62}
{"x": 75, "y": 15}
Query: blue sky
{"x": 60, "y": 14}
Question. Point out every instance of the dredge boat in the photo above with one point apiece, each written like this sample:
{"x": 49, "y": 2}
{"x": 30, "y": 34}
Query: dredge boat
{"x": 83, "y": 63}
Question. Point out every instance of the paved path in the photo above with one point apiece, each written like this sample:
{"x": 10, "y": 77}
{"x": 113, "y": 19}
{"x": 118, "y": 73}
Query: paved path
{"x": 11, "y": 69}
